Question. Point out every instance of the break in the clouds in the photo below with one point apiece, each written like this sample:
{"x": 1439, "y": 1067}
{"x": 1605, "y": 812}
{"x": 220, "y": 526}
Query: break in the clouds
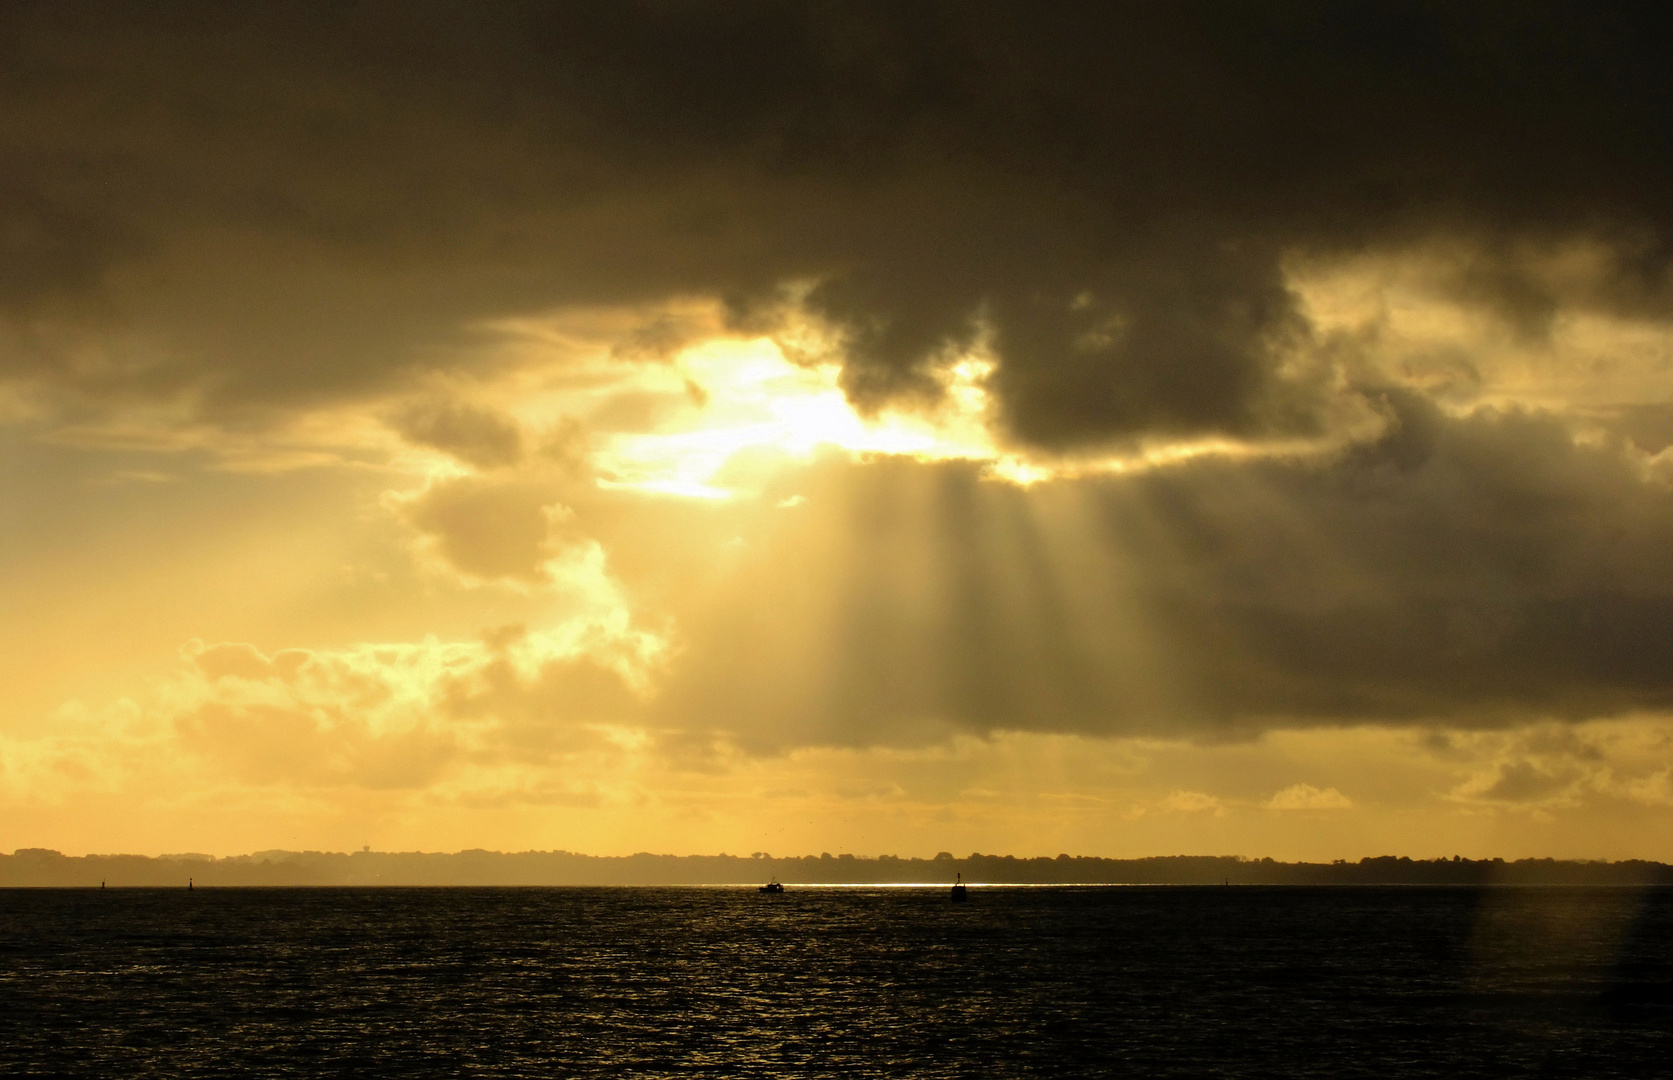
{"x": 671, "y": 390}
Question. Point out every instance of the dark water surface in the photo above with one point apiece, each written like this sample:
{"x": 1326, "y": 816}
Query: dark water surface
{"x": 1090, "y": 981}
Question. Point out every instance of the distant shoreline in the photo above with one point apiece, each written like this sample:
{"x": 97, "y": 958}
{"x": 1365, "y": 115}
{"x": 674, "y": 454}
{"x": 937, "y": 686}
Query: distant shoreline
{"x": 34, "y": 867}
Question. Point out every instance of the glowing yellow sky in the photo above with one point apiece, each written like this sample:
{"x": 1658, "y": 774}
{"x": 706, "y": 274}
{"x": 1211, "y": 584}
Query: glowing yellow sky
{"x": 329, "y": 632}
{"x": 714, "y": 427}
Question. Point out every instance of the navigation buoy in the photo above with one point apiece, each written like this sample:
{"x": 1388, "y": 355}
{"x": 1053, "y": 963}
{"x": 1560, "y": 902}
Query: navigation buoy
{"x": 958, "y": 889}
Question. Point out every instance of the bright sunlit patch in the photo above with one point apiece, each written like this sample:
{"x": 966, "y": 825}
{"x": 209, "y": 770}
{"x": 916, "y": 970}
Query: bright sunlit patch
{"x": 737, "y": 410}
{"x": 741, "y": 410}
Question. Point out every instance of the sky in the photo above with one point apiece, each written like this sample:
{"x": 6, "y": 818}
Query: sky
{"x": 1115, "y": 429}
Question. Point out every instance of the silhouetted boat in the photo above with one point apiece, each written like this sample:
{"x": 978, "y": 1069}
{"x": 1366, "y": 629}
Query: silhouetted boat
{"x": 772, "y": 887}
{"x": 958, "y": 889}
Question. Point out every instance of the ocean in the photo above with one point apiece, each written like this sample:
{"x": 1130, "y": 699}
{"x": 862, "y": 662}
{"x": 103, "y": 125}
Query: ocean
{"x": 1119, "y": 981}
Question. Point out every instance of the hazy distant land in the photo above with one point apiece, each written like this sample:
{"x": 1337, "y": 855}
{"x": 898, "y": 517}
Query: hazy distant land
{"x": 43, "y": 867}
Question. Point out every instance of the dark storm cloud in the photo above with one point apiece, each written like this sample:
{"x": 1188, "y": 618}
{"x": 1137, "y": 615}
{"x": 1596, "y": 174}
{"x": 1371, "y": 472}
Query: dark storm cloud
{"x": 303, "y": 200}
{"x": 1479, "y": 570}
{"x": 1476, "y": 572}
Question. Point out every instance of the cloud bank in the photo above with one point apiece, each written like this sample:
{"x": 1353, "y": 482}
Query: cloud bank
{"x": 271, "y": 206}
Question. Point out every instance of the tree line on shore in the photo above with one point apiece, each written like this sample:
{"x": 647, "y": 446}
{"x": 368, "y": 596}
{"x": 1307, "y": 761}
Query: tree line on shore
{"x": 45, "y": 868}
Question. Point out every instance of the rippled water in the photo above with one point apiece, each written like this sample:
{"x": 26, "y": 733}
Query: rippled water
{"x": 1106, "y": 981}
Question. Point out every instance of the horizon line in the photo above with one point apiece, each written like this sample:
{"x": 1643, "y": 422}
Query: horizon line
{"x": 943, "y": 857}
